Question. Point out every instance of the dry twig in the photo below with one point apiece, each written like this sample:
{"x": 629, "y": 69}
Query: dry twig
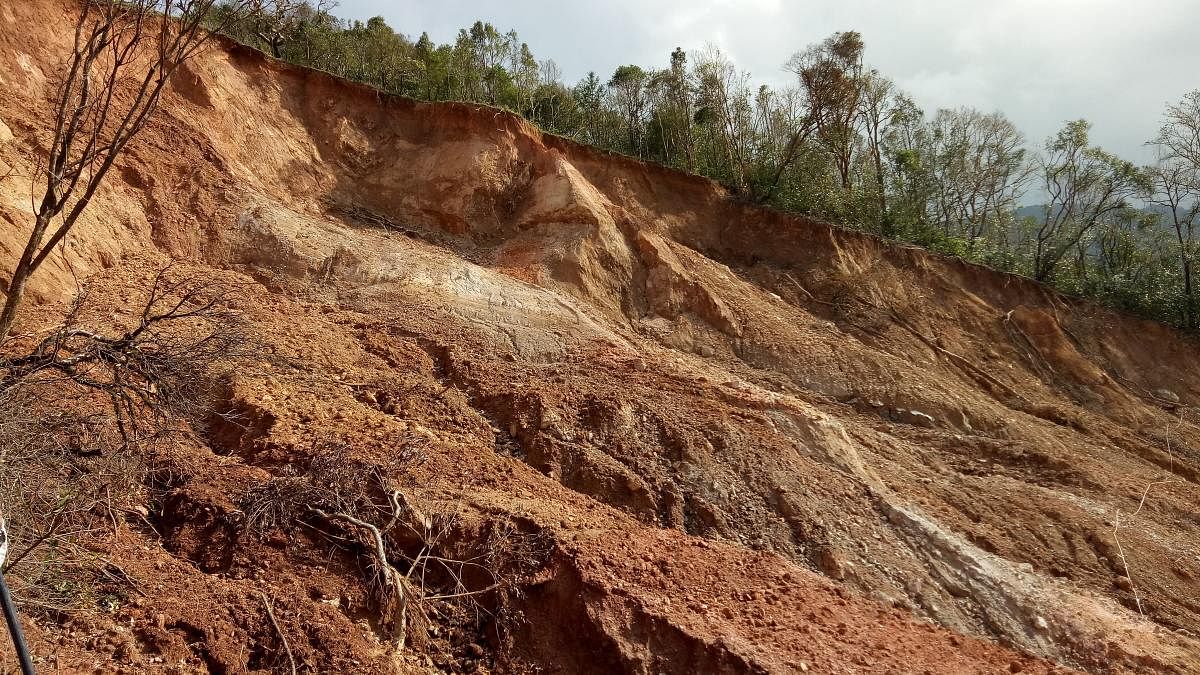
{"x": 1137, "y": 600}
{"x": 287, "y": 648}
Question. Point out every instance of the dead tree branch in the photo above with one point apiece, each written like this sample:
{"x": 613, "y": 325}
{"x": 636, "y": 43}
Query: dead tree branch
{"x": 157, "y": 368}
{"x": 124, "y": 54}
{"x": 287, "y": 648}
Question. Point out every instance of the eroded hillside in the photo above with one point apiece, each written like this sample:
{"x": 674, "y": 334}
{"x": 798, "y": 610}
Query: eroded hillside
{"x": 725, "y": 439}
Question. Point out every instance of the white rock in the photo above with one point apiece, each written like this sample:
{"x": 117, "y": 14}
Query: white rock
{"x": 1164, "y": 394}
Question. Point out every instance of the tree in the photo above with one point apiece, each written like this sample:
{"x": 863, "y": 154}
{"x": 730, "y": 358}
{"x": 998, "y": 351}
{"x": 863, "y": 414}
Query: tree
{"x": 628, "y": 86}
{"x": 1085, "y": 185}
{"x": 1176, "y": 181}
{"x": 526, "y": 76}
{"x": 282, "y": 23}
{"x": 877, "y": 110}
{"x": 679, "y": 88}
{"x": 910, "y": 168}
{"x": 724, "y": 107}
{"x": 123, "y": 56}
{"x": 785, "y": 131}
{"x": 979, "y": 171}
{"x": 484, "y": 51}
{"x": 599, "y": 124}
{"x": 831, "y": 75}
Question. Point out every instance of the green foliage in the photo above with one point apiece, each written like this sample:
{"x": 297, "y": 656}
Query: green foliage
{"x": 843, "y": 144}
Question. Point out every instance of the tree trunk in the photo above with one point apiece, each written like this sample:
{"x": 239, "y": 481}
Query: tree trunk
{"x": 1189, "y": 300}
{"x": 25, "y": 267}
{"x": 16, "y": 290}
{"x": 884, "y": 229}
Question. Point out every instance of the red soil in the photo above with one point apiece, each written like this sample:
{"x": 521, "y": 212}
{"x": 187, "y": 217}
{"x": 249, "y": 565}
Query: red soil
{"x": 719, "y": 439}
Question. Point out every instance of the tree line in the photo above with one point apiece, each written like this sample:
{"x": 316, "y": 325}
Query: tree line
{"x": 842, "y": 143}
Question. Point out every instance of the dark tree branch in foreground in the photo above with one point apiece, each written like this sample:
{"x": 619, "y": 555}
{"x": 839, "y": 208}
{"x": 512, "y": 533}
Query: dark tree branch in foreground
{"x": 124, "y": 54}
{"x": 156, "y": 369}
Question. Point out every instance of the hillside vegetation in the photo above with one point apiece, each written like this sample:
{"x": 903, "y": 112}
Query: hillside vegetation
{"x": 842, "y": 143}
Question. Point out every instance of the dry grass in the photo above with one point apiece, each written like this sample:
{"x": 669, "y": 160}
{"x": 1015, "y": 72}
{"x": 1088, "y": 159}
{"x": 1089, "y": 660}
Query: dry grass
{"x": 60, "y": 486}
{"x": 79, "y": 407}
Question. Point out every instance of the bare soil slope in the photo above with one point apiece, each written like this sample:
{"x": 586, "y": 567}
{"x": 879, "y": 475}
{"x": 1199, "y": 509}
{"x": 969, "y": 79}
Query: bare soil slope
{"x": 738, "y": 441}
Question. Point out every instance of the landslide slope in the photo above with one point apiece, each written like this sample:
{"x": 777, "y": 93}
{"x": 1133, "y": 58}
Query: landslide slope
{"x": 742, "y": 441}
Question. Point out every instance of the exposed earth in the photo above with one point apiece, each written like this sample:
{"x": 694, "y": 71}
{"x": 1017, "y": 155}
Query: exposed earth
{"x": 702, "y": 436}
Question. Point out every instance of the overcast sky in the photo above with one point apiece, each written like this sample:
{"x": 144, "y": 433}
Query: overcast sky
{"x": 1041, "y": 62}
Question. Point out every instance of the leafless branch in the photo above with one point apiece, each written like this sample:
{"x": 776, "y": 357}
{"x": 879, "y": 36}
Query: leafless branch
{"x": 287, "y": 648}
{"x": 124, "y": 54}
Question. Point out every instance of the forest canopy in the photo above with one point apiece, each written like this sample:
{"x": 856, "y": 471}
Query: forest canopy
{"x": 841, "y": 142}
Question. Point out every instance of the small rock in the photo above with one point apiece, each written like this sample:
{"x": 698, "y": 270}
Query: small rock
{"x": 1015, "y": 667}
{"x": 1040, "y": 622}
{"x": 6, "y": 134}
{"x": 1166, "y": 395}
{"x": 1124, "y": 583}
{"x": 833, "y": 563}
{"x": 803, "y": 667}
{"x": 920, "y": 419}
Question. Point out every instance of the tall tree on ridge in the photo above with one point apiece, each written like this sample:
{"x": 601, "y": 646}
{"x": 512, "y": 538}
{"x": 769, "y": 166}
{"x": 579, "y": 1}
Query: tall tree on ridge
{"x": 831, "y": 75}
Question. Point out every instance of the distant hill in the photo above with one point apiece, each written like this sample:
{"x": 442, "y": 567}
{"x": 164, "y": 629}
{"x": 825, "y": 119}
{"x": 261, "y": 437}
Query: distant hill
{"x": 1036, "y": 211}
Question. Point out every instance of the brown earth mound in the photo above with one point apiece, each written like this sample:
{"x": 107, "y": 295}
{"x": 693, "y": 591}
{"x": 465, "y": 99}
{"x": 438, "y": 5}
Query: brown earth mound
{"x": 701, "y": 437}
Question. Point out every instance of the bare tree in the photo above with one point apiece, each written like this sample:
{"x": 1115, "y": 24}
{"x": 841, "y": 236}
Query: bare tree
{"x": 723, "y": 95}
{"x": 549, "y": 73}
{"x": 160, "y": 369}
{"x": 877, "y": 110}
{"x": 279, "y": 24}
{"x": 787, "y": 128}
{"x": 628, "y": 87}
{"x": 979, "y": 171}
{"x": 124, "y": 54}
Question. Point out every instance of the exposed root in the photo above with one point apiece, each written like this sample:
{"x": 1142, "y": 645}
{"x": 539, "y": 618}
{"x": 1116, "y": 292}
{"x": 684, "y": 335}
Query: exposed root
{"x": 1137, "y": 600}
{"x": 395, "y": 585}
{"x": 806, "y": 292}
{"x": 410, "y": 590}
